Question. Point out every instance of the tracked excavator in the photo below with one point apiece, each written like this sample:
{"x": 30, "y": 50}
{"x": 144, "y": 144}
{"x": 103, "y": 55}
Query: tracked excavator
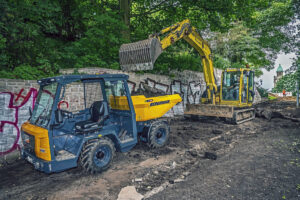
{"x": 232, "y": 100}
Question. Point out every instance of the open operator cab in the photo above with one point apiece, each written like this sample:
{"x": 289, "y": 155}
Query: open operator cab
{"x": 83, "y": 119}
{"x": 237, "y": 87}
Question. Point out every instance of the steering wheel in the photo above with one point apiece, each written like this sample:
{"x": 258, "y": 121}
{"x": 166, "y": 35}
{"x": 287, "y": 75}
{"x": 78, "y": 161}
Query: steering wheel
{"x": 61, "y": 102}
{"x": 65, "y": 112}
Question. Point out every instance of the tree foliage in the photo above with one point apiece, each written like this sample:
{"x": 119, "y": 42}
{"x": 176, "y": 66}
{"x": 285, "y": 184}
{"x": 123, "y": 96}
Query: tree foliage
{"x": 296, "y": 65}
{"x": 239, "y": 47}
{"x": 37, "y": 38}
{"x": 287, "y": 83}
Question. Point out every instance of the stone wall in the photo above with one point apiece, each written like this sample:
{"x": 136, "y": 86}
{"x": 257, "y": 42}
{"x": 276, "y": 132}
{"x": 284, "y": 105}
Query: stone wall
{"x": 189, "y": 84}
{"x": 14, "y": 111}
{"x": 15, "y": 85}
{"x": 16, "y": 96}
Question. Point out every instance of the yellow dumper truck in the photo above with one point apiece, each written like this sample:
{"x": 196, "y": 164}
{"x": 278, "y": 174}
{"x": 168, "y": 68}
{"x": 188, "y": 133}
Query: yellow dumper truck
{"x": 56, "y": 139}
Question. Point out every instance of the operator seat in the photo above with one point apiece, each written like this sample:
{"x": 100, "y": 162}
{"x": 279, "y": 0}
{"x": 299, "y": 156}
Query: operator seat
{"x": 99, "y": 112}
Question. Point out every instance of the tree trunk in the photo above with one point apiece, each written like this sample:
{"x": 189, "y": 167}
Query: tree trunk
{"x": 125, "y": 14}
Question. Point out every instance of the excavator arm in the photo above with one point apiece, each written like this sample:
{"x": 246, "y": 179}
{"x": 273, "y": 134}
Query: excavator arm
{"x": 142, "y": 55}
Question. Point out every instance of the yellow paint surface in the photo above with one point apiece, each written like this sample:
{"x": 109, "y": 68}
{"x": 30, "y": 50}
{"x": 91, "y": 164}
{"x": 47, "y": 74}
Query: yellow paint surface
{"x": 41, "y": 140}
{"x": 146, "y": 108}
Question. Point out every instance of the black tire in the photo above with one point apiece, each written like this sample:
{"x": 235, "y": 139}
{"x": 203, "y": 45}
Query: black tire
{"x": 158, "y": 135}
{"x": 97, "y": 155}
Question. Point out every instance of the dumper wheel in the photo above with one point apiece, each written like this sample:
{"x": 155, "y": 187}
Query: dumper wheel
{"x": 97, "y": 154}
{"x": 158, "y": 135}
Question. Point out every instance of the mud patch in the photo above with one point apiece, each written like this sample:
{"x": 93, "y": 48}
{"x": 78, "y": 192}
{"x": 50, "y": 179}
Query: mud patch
{"x": 148, "y": 170}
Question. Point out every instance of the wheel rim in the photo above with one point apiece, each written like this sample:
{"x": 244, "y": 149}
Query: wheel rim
{"x": 160, "y": 136}
{"x": 102, "y": 156}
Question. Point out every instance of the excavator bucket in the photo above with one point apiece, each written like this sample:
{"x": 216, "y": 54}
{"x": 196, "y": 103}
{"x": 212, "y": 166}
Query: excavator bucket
{"x": 139, "y": 55}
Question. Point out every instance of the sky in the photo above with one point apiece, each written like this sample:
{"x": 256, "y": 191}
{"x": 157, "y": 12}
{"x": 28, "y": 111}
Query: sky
{"x": 285, "y": 60}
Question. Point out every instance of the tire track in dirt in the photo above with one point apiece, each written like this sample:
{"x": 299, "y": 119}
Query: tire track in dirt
{"x": 142, "y": 167}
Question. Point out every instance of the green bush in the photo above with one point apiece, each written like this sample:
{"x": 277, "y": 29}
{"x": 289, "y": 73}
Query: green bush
{"x": 287, "y": 83}
{"x": 272, "y": 98}
{"x": 177, "y": 60}
{"x": 263, "y": 92}
{"x": 27, "y": 72}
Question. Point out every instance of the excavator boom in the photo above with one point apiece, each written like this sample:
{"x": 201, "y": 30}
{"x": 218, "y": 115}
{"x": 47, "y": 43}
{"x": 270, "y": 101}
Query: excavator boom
{"x": 142, "y": 55}
{"x": 236, "y": 87}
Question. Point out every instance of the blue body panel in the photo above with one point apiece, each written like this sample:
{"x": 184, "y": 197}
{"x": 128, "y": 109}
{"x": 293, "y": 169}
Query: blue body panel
{"x": 63, "y": 136}
{"x": 49, "y": 167}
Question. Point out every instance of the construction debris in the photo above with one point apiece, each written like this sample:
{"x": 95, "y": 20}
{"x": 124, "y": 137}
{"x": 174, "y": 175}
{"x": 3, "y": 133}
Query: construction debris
{"x": 210, "y": 155}
{"x": 129, "y": 193}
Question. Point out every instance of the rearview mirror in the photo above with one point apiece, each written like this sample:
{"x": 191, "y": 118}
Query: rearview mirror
{"x": 58, "y": 116}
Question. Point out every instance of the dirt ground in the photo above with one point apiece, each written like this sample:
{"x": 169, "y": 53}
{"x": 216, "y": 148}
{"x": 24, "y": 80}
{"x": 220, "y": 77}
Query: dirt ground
{"x": 259, "y": 159}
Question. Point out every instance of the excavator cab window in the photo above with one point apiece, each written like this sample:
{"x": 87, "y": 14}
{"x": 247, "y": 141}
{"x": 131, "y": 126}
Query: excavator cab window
{"x": 251, "y": 87}
{"x": 231, "y": 86}
{"x": 245, "y": 86}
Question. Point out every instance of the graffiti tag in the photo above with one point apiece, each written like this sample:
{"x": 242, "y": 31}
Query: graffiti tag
{"x": 12, "y": 116}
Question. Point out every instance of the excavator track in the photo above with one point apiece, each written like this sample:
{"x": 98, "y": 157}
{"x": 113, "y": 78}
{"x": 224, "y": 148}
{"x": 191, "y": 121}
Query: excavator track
{"x": 232, "y": 115}
{"x": 243, "y": 115}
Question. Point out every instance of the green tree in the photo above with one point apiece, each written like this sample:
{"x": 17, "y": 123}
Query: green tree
{"x": 258, "y": 29}
{"x": 287, "y": 82}
{"x": 239, "y": 47}
{"x": 37, "y": 38}
{"x": 270, "y": 23}
{"x": 125, "y": 14}
{"x": 296, "y": 65}
{"x": 99, "y": 46}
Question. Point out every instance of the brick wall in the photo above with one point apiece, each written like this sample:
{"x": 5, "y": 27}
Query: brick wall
{"x": 189, "y": 84}
{"x": 185, "y": 77}
{"x": 14, "y": 85}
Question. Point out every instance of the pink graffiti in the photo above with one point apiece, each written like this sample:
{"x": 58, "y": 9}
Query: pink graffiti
{"x": 20, "y": 95}
{"x": 32, "y": 93}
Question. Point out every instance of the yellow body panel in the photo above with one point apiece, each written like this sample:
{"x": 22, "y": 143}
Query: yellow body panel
{"x": 146, "y": 108}
{"x": 41, "y": 140}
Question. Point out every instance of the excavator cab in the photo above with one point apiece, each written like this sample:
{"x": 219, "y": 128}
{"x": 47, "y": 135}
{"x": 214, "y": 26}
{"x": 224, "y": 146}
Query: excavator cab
{"x": 237, "y": 87}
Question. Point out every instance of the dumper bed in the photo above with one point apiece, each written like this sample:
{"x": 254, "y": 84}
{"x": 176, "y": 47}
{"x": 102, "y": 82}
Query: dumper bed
{"x": 146, "y": 108}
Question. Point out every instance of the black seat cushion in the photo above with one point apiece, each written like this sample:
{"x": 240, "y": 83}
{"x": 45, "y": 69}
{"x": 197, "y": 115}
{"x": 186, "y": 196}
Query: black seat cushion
{"x": 86, "y": 124}
{"x": 97, "y": 111}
